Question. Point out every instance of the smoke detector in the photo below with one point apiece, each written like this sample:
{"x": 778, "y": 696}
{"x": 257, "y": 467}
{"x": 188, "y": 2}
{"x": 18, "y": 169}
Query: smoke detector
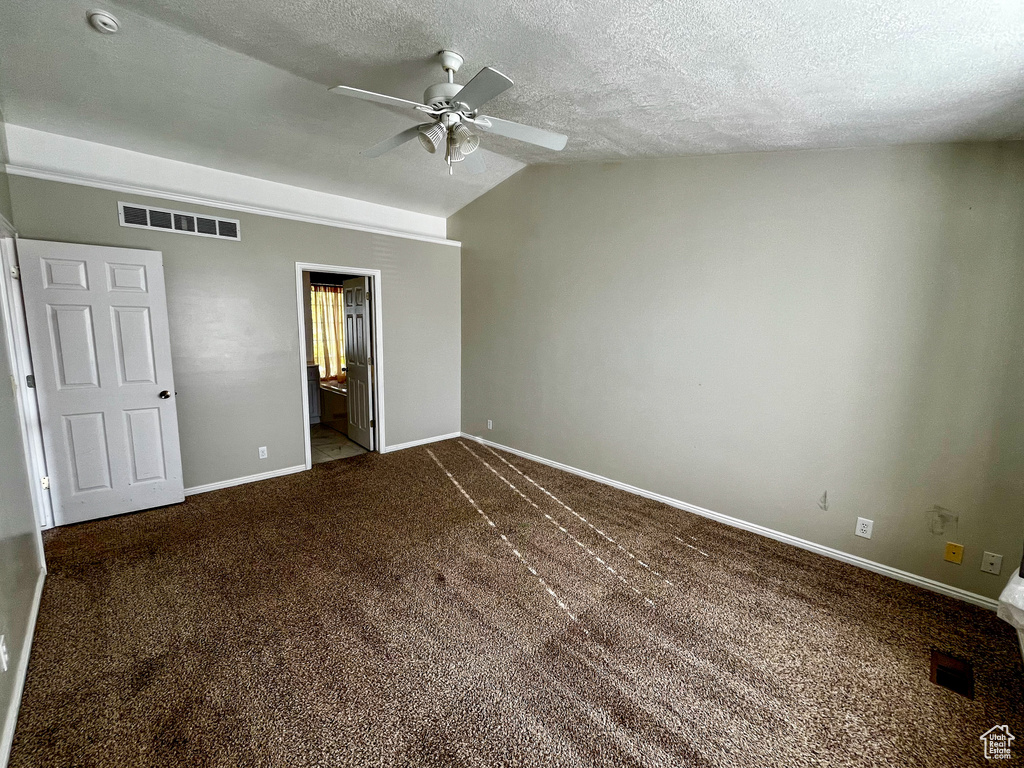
{"x": 103, "y": 21}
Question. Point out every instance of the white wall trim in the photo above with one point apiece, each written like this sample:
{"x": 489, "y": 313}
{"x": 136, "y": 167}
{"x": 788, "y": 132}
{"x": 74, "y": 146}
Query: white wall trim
{"x": 735, "y": 522}
{"x": 6, "y": 228}
{"x": 243, "y": 480}
{"x": 7, "y": 737}
{"x": 424, "y": 441}
{"x": 52, "y": 157}
{"x": 19, "y": 354}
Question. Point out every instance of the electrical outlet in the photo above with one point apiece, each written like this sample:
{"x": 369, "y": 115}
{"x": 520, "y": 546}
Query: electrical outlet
{"x": 489, "y": 425}
{"x": 5, "y": 658}
{"x": 263, "y": 451}
{"x": 954, "y": 553}
{"x": 864, "y": 527}
{"x": 992, "y": 563}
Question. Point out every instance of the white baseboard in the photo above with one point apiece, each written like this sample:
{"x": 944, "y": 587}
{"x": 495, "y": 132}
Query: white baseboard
{"x": 243, "y": 480}
{"x": 424, "y": 441}
{"x": 7, "y": 737}
{"x": 735, "y": 522}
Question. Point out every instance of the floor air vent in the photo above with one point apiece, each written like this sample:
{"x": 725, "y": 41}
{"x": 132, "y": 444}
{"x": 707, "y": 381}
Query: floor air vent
{"x": 953, "y": 673}
{"x": 145, "y": 217}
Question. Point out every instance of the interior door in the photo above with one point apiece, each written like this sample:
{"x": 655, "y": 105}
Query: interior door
{"x": 98, "y": 334}
{"x": 358, "y": 361}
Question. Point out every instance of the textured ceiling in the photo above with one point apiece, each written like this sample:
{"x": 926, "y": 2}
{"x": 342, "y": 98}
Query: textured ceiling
{"x": 240, "y": 84}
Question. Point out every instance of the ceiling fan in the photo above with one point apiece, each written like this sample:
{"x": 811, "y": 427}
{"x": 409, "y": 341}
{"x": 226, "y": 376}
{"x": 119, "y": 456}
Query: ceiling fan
{"x": 453, "y": 108}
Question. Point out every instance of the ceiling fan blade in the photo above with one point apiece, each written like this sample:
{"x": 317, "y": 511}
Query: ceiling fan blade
{"x": 395, "y": 141}
{"x": 473, "y": 163}
{"x": 528, "y": 133}
{"x": 380, "y": 98}
{"x": 487, "y": 84}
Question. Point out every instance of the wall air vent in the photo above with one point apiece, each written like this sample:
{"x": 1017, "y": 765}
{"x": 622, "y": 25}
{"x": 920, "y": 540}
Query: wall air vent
{"x": 144, "y": 217}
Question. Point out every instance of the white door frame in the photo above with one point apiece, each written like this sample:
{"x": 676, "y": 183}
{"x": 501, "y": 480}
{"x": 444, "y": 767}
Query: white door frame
{"x": 12, "y": 307}
{"x": 377, "y": 341}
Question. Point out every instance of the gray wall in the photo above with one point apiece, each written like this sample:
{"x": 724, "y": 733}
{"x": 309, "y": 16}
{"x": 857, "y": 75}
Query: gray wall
{"x": 745, "y": 332}
{"x": 234, "y": 328}
{"x": 19, "y": 562}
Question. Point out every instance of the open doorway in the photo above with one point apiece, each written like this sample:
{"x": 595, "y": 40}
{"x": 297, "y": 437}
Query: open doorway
{"x": 340, "y": 337}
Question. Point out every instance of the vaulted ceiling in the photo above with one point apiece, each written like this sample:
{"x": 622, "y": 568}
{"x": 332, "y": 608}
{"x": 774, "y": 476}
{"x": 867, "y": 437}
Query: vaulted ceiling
{"x": 241, "y": 85}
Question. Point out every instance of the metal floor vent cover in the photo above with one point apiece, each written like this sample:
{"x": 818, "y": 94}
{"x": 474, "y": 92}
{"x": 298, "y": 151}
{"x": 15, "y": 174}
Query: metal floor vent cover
{"x": 955, "y": 674}
{"x": 182, "y": 222}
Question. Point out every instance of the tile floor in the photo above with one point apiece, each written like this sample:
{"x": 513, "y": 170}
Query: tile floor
{"x": 329, "y": 445}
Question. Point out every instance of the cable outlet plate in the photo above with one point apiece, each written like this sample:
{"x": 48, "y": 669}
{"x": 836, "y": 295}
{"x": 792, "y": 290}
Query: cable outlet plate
{"x": 992, "y": 563}
{"x": 954, "y": 553}
{"x": 864, "y": 527}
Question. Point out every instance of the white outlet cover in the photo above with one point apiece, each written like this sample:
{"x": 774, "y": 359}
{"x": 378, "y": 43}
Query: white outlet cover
{"x": 992, "y": 563}
{"x": 263, "y": 451}
{"x": 489, "y": 424}
{"x": 4, "y": 657}
{"x": 864, "y": 527}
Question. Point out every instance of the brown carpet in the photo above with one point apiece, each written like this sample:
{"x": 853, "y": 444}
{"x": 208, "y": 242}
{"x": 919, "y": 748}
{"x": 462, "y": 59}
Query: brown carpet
{"x": 367, "y": 613}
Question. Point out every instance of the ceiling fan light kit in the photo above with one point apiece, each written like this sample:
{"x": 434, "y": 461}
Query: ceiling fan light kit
{"x": 454, "y": 154}
{"x": 431, "y": 136}
{"x": 452, "y": 107}
{"x": 468, "y": 141}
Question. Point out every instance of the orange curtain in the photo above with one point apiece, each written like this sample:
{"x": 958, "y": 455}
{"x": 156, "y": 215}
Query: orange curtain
{"x": 328, "y": 330}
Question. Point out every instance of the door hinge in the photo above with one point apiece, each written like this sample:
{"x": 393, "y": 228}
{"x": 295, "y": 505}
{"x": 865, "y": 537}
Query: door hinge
{"x": 372, "y": 423}
{"x": 30, "y": 381}
{"x": 46, "y": 483}
{"x": 369, "y": 360}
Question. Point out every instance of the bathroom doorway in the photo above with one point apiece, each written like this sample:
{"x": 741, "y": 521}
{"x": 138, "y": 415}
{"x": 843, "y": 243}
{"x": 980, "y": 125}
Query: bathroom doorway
{"x": 339, "y": 323}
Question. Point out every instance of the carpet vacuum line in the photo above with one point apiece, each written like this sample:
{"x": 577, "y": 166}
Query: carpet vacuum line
{"x": 695, "y": 549}
{"x": 519, "y": 555}
{"x": 563, "y": 529}
{"x": 582, "y": 519}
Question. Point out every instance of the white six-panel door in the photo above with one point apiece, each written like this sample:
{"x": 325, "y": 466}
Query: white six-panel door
{"x": 98, "y": 333}
{"x": 358, "y": 361}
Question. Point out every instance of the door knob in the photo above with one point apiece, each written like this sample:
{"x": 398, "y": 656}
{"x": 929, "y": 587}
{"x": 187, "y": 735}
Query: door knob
{"x": 165, "y": 395}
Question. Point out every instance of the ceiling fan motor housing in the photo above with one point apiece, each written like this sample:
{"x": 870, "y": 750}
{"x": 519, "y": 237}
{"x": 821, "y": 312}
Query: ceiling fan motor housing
{"x": 440, "y": 94}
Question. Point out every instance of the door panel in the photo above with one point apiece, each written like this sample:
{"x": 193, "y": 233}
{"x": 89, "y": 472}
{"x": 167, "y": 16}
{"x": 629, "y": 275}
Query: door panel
{"x": 145, "y": 444}
{"x": 58, "y": 273}
{"x": 134, "y": 345}
{"x": 358, "y": 361}
{"x": 86, "y": 440}
{"x": 74, "y": 346}
{"x": 126, "y": 277}
{"x": 98, "y": 333}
